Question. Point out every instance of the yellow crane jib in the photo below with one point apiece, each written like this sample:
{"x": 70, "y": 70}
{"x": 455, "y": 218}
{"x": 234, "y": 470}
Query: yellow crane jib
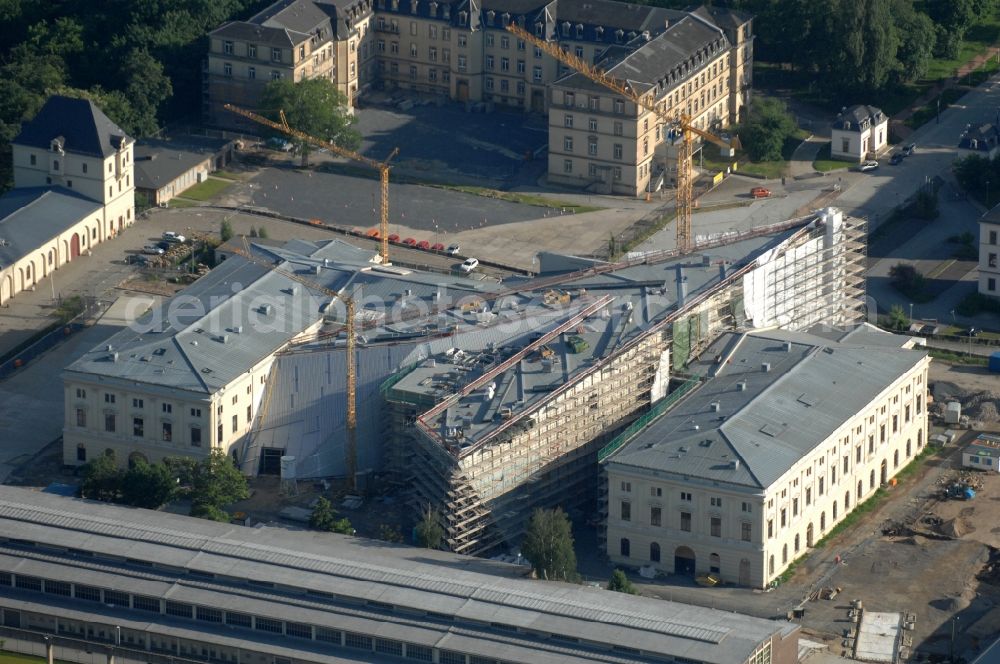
{"x": 623, "y": 88}
{"x": 381, "y": 166}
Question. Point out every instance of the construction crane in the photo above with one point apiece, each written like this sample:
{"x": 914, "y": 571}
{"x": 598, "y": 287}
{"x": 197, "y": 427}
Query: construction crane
{"x": 352, "y": 377}
{"x": 683, "y": 121}
{"x": 381, "y": 166}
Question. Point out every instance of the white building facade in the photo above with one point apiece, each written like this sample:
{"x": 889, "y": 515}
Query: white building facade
{"x": 859, "y": 133}
{"x": 746, "y": 498}
{"x": 989, "y": 254}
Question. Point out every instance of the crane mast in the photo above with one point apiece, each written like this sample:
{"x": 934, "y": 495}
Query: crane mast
{"x": 684, "y": 196}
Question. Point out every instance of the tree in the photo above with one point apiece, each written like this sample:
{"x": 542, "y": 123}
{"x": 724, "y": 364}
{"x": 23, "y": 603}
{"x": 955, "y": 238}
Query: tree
{"x": 429, "y": 530}
{"x": 767, "y": 128}
{"x": 225, "y": 230}
{"x": 313, "y": 106}
{"x": 102, "y": 478}
{"x": 548, "y": 544}
{"x": 907, "y": 280}
{"x": 620, "y": 583}
{"x": 897, "y": 318}
{"x": 324, "y": 517}
{"x": 262, "y": 233}
{"x": 916, "y": 41}
{"x": 211, "y": 484}
{"x": 147, "y": 485}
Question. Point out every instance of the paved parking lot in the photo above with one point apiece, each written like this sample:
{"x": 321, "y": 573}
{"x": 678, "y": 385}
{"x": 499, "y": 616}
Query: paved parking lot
{"x": 446, "y": 139}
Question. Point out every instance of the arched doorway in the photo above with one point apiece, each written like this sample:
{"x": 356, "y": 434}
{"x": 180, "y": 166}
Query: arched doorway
{"x": 654, "y": 552}
{"x": 744, "y": 572}
{"x": 822, "y": 521}
{"x": 847, "y": 500}
{"x": 809, "y": 536}
{"x": 6, "y": 288}
{"x": 797, "y": 543}
{"x": 835, "y": 510}
{"x": 885, "y": 471}
{"x": 920, "y": 438}
{"x": 770, "y": 565}
{"x": 135, "y": 458}
{"x": 784, "y": 554}
{"x": 684, "y": 561}
{"x": 895, "y": 459}
{"x": 714, "y": 563}
{"x": 871, "y": 480}
{"x": 861, "y": 489}
{"x": 908, "y": 448}
{"x": 74, "y": 246}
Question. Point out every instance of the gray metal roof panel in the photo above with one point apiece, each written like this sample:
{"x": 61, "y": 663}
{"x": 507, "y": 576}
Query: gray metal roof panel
{"x": 809, "y": 391}
{"x": 78, "y": 123}
{"x": 32, "y": 216}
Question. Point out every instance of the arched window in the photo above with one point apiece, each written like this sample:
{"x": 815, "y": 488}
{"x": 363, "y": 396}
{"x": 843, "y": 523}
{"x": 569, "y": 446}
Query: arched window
{"x": 835, "y": 510}
{"x": 860, "y": 489}
{"x": 784, "y": 554}
{"x": 796, "y": 542}
{"x": 847, "y": 500}
{"x": 920, "y": 438}
{"x": 895, "y": 459}
{"x": 871, "y": 480}
{"x": 770, "y": 565}
{"x": 626, "y": 547}
{"x": 909, "y": 451}
{"x": 822, "y": 521}
{"x": 654, "y": 552}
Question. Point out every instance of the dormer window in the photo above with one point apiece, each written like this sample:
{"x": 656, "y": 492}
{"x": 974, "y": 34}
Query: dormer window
{"x": 395, "y": 5}
{"x": 579, "y": 31}
{"x": 413, "y": 6}
{"x": 55, "y": 164}
{"x": 505, "y": 19}
{"x": 434, "y": 9}
{"x": 463, "y": 18}
{"x": 619, "y": 35}
{"x": 447, "y": 12}
{"x": 227, "y": 47}
{"x": 599, "y": 32}
{"x": 490, "y": 17}
{"x": 565, "y": 29}
{"x": 539, "y": 29}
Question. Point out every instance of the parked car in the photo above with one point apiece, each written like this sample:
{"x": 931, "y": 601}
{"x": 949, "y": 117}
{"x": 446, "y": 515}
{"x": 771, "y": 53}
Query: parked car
{"x": 409, "y": 242}
{"x": 437, "y": 246}
{"x": 760, "y": 192}
{"x": 972, "y": 332}
{"x": 423, "y": 244}
{"x": 163, "y": 244}
{"x": 469, "y": 265}
{"x": 909, "y": 149}
{"x": 393, "y": 237}
{"x": 373, "y": 233}
{"x": 281, "y": 144}
{"x": 453, "y": 249}
{"x": 170, "y": 236}
{"x": 868, "y": 166}
{"x": 136, "y": 259}
{"x": 152, "y": 250}
{"x": 896, "y": 158}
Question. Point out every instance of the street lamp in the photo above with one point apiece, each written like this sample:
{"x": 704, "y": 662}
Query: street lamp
{"x": 118, "y": 635}
{"x": 911, "y": 312}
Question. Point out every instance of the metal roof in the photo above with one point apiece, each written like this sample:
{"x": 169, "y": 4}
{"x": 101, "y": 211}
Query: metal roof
{"x": 30, "y": 217}
{"x": 471, "y": 592}
{"x": 769, "y": 399}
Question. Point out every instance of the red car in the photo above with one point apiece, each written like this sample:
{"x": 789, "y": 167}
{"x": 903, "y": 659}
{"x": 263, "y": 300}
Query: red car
{"x": 394, "y": 238}
{"x": 409, "y": 242}
{"x": 423, "y": 244}
{"x": 372, "y": 233}
{"x": 437, "y": 246}
{"x": 760, "y": 192}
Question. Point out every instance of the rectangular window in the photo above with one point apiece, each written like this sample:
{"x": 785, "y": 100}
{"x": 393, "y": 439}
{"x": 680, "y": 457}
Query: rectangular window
{"x": 252, "y": 73}
{"x": 808, "y": 497}
{"x": 654, "y": 516}
{"x": 784, "y": 517}
{"x": 206, "y": 614}
{"x": 262, "y": 624}
{"x": 86, "y": 593}
{"x": 536, "y": 74}
{"x": 715, "y": 502}
{"x": 618, "y": 172}
{"x": 993, "y": 234}
{"x": 144, "y": 603}
{"x": 592, "y": 147}
{"x": 227, "y": 69}
{"x": 685, "y": 495}
{"x": 334, "y": 636}
{"x": 716, "y": 526}
{"x": 617, "y": 151}
{"x": 360, "y": 641}
{"x": 81, "y": 417}
{"x": 116, "y": 598}
{"x": 746, "y": 508}
{"x": 58, "y": 588}
{"x": 252, "y": 50}
{"x": 521, "y": 67}
{"x": 626, "y": 510}
{"x": 81, "y": 452}
{"x": 28, "y": 582}
{"x": 461, "y": 63}
{"x": 567, "y": 166}
{"x": 237, "y": 619}
{"x": 137, "y": 426}
{"x": 419, "y": 653}
{"x": 299, "y": 630}
{"x": 109, "y": 398}
{"x": 276, "y": 55}
{"x": 991, "y": 284}
{"x": 167, "y": 408}
{"x": 992, "y": 260}
{"x": 168, "y": 431}
{"x": 592, "y": 124}
{"x": 746, "y": 531}
{"x": 795, "y": 506}
{"x": 686, "y": 521}
{"x": 568, "y": 144}
{"x": 235, "y": 423}
{"x": 195, "y": 436}
{"x": 109, "y": 422}
{"x": 504, "y": 64}
{"x": 568, "y": 121}
{"x": 389, "y": 647}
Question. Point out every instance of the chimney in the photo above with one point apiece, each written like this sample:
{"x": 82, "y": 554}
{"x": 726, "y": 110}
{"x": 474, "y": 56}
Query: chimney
{"x": 741, "y": 386}
{"x": 765, "y": 367}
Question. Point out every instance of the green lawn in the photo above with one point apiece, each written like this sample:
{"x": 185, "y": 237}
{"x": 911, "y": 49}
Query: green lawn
{"x": 17, "y": 658}
{"x": 207, "y": 190}
{"x": 713, "y": 162}
{"x": 825, "y": 163}
{"x": 522, "y": 198}
{"x": 181, "y": 203}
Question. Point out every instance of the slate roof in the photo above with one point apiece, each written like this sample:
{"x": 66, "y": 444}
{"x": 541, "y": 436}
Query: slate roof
{"x": 648, "y": 63}
{"x": 983, "y": 138}
{"x": 608, "y": 13}
{"x": 296, "y": 15}
{"x": 31, "y": 216}
{"x": 79, "y": 123}
{"x": 758, "y": 433}
{"x": 856, "y": 115}
{"x": 243, "y": 31}
{"x": 157, "y": 163}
